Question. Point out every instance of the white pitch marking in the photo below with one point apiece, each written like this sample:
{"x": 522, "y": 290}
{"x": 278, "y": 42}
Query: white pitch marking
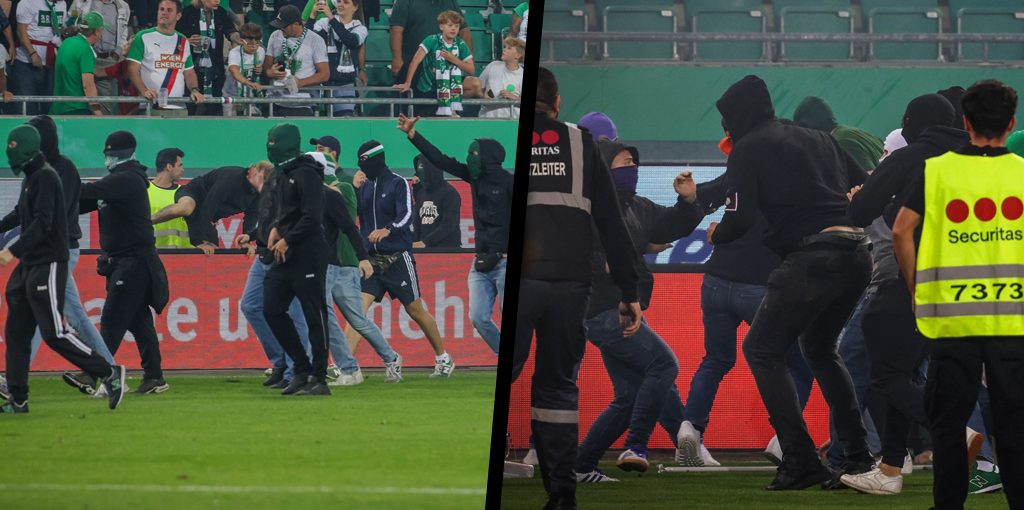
{"x": 242, "y": 489}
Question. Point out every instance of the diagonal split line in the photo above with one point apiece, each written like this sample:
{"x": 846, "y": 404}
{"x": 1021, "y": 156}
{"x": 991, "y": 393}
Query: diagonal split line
{"x": 243, "y": 489}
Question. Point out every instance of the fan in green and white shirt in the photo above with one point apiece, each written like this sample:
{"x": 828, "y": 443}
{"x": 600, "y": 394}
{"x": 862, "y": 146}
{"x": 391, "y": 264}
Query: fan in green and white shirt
{"x": 440, "y": 73}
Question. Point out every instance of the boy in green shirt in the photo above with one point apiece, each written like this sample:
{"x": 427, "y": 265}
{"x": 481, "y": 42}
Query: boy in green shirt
{"x": 445, "y": 61}
{"x": 76, "y": 71}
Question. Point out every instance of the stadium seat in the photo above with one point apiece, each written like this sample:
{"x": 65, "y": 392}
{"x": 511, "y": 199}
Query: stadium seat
{"x": 729, "y": 16}
{"x": 483, "y": 51}
{"x": 985, "y": 18}
{"x": 567, "y": 16}
{"x": 497, "y": 28}
{"x": 639, "y": 18}
{"x": 378, "y": 45}
{"x": 814, "y": 16}
{"x": 912, "y": 17}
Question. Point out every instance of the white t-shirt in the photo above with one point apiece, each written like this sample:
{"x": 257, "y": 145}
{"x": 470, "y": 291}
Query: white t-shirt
{"x": 155, "y": 53}
{"x": 235, "y": 59}
{"x": 36, "y": 14}
{"x": 495, "y": 78}
{"x": 313, "y": 51}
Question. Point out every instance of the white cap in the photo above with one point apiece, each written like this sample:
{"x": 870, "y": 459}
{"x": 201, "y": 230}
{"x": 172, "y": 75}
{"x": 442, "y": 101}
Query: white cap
{"x": 893, "y": 142}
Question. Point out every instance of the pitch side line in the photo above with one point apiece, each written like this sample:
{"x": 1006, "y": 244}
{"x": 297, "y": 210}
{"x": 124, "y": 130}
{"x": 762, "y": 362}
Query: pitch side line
{"x": 244, "y": 489}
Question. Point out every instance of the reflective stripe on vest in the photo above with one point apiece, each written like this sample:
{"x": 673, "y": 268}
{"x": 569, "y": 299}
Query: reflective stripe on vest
{"x": 575, "y": 198}
{"x": 970, "y": 263}
{"x": 169, "y": 234}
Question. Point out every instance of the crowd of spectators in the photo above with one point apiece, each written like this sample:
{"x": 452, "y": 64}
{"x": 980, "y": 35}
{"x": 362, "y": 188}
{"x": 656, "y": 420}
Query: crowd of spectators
{"x": 158, "y": 50}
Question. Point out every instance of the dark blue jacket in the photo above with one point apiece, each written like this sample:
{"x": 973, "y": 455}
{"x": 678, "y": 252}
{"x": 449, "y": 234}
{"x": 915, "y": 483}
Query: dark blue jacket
{"x": 386, "y": 202}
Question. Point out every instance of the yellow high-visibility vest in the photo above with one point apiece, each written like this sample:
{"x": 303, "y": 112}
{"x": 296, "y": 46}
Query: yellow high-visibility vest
{"x": 169, "y": 234}
{"x": 970, "y": 264}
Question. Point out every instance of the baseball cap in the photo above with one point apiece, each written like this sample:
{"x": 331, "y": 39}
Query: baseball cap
{"x": 327, "y": 141}
{"x": 91, "y": 20}
{"x": 286, "y": 16}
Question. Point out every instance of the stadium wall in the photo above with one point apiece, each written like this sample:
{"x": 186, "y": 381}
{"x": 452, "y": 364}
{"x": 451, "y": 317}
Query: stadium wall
{"x": 675, "y": 102}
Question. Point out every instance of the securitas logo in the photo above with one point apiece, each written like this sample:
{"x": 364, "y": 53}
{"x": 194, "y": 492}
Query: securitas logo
{"x": 546, "y": 143}
{"x": 984, "y": 211}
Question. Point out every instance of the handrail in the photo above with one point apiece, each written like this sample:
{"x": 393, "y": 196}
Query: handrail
{"x": 778, "y": 37}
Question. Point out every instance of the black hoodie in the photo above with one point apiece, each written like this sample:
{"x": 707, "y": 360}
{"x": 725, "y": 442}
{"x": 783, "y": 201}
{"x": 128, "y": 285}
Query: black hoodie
{"x": 220, "y": 193}
{"x": 124, "y": 215}
{"x": 797, "y": 177}
{"x": 299, "y": 212}
{"x": 40, "y": 212}
{"x": 492, "y": 190}
{"x": 65, "y": 168}
{"x": 928, "y": 130}
{"x": 438, "y": 207}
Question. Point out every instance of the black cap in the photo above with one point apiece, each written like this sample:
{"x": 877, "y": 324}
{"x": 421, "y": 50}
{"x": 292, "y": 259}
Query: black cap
{"x": 286, "y": 16}
{"x": 119, "y": 141}
{"x": 327, "y": 141}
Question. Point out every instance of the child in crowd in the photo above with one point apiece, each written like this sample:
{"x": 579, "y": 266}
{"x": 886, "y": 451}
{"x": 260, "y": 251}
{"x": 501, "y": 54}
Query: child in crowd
{"x": 245, "y": 65}
{"x": 446, "y": 59}
{"x": 345, "y": 34}
{"x": 504, "y": 79}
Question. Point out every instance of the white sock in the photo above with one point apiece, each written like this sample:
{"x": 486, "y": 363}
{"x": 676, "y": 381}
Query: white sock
{"x": 984, "y": 465}
{"x": 443, "y": 358}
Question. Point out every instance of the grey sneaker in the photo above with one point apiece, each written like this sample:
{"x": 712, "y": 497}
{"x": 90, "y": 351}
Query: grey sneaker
{"x": 115, "y": 386}
{"x": 393, "y": 370}
{"x": 81, "y": 380}
{"x": 149, "y": 386}
{"x": 5, "y": 392}
{"x": 333, "y": 372}
{"x": 314, "y": 387}
{"x": 443, "y": 370}
{"x": 348, "y": 379}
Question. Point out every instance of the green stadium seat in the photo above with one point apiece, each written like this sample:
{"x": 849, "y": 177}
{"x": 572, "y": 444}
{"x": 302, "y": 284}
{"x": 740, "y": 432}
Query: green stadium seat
{"x": 601, "y": 5}
{"x": 565, "y": 20}
{"x": 726, "y": 16}
{"x": 497, "y": 27}
{"x": 986, "y": 20}
{"x": 912, "y": 17}
{"x": 378, "y": 44}
{"x": 639, "y": 18}
{"x": 474, "y": 19}
{"x": 483, "y": 51}
{"x": 815, "y": 16}
{"x": 553, "y": 4}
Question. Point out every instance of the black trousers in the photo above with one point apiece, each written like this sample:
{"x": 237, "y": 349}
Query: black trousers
{"x": 35, "y": 297}
{"x": 555, "y": 311}
{"x": 304, "y": 277}
{"x": 810, "y": 296}
{"x": 896, "y": 350}
{"x": 129, "y": 292}
{"x": 954, "y": 377}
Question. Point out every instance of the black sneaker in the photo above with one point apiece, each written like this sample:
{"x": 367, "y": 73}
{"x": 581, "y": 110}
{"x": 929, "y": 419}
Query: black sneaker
{"x": 557, "y": 502}
{"x": 152, "y": 386}
{"x": 794, "y": 478}
{"x": 282, "y": 384}
{"x": 852, "y": 467}
{"x": 298, "y": 382}
{"x": 276, "y": 376}
{"x": 115, "y": 385}
{"x": 81, "y": 380}
{"x": 11, "y": 407}
{"x": 314, "y": 387}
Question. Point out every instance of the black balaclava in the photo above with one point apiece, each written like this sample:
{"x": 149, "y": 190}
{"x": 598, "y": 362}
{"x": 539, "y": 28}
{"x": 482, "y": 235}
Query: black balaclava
{"x": 48, "y": 137}
{"x": 430, "y": 175}
{"x": 371, "y": 159}
{"x": 22, "y": 147}
{"x": 484, "y": 154}
{"x": 954, "y": 95}
{"x": 924, "y": 112}
{"x": 283, "y": 144}
{"x": 745, "y": 106}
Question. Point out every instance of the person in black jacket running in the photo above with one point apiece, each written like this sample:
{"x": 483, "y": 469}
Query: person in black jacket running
{"x": 35, "y": 289}
{"x": 491, "y": 187}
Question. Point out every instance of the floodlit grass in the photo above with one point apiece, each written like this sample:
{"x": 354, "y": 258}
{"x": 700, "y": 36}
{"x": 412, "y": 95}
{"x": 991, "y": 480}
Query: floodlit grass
{"x": 227, "y": 442}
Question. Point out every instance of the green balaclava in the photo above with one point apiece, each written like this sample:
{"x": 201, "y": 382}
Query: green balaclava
{"x": 22, "y": 145}
{"x": 814, "y": 113}
{"x": 283, "y": 144}
{"x": 474, "y": 161}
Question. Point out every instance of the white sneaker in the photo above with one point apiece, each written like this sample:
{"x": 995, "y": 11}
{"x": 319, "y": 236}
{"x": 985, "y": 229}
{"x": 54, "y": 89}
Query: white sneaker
{"x": 595, "y": 476}
{"x": 101, "y": 392}
{"x": 531, "y": 457}
{"x": 706, "y": 457}
{"x": 268, "y": 371}
{"x": 393, "y": 370}
{"x": 443, "y": 369}
{"x": 908, "y": 464}
{"x": 333, "y": 372}
{"x": 689, "y": 443}
{"x": 348, "y": 379}
{"x": 631, "y": 460}
{"x": 874, "y": 482}
{"x": 773, "y": 452}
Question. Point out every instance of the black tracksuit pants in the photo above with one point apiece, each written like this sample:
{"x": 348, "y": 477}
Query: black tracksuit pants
{"x": 954, "y": 377}
{"x": 810, "y": 297}
{"x": 35, "y": 297}
{"x": 303, "y": 277}
{"x": 129, "y": 292}
{"x": 896, "y": 350}
{"x": 555, "y": 310}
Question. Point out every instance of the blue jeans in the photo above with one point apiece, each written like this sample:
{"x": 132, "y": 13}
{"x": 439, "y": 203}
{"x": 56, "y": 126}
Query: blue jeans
{"x": 344, "y": 290}
{"x": 252, "y": 308}
{"x": 343, "y": 110}
{"x": 74, "y": 314}
{"x": 29, "y": 80}
{"x": 724, "y": 304}
{"x": 643, "y": 370}
{"x": 484, "y": 288}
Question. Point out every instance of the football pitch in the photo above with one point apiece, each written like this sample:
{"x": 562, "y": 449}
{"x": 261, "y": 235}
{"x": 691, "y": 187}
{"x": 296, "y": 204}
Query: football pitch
{"x": 224, "y": 441}
{"x": 742, "y": 490}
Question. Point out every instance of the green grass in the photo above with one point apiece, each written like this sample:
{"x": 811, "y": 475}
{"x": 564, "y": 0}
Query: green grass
{"x": 674, "y": 491}
{"x": 227, "y": 442}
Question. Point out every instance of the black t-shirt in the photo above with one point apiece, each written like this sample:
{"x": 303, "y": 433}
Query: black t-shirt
{"x": 188, "y": 25}
{"x": 915, "y": 201}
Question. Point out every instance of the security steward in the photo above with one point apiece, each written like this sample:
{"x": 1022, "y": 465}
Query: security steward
{"x": 136, "y": 279}
{"x": 169, "y": 170}
{"x": 491, "y": 187}
{"x": 797, "y": 179}
{"x": 968, "y": 285}
{"x": 300, "y": 251}
{"x": 35, "y": 289}
{"x": 567, "y": 175}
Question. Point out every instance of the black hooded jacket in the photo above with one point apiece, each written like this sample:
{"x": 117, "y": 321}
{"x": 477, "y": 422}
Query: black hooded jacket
{"x": 41, "y": 214}
{"x": 299, "y": 206}
{"x": 124, "y": 215}
{"x": 647, "y": 223}
{"x": 219, "y": 193}
{"x": 745, "y": 260}
{"x": 438, "y": 207}
{"x": 796, "y": 177}
{"x": 929, "y": 133}
{"x": 492, "y": 191}
{"x": 65, "y": 168}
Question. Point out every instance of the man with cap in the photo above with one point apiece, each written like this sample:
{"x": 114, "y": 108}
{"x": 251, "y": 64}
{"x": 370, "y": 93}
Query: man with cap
{"x": 491, "y": 187}
{"x": 35, "y": 289}
{"x": 76, "y": 70}
{"x": 136, "y": 279}
{"x": 331, "y": 147}
{"x": 296, "y": 57}
{"x": 385, "y": 219}
{"x": 300, "y": 251}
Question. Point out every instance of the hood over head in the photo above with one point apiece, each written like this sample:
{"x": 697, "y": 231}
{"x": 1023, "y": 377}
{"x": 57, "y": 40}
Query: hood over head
{"x": 924, "y": 112}
{"x": 485, "y": 155}
{"x": 430, "y": 175}
{"x": 954, "y": 95}
{"x": 283, "y": 143}
{"x": 22, "y": 147}
{"x": 745, "y": 105}
{"x": 48, "y": 136}
{"x": 814, "y": 113}
{"x": 609, "y": 149}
